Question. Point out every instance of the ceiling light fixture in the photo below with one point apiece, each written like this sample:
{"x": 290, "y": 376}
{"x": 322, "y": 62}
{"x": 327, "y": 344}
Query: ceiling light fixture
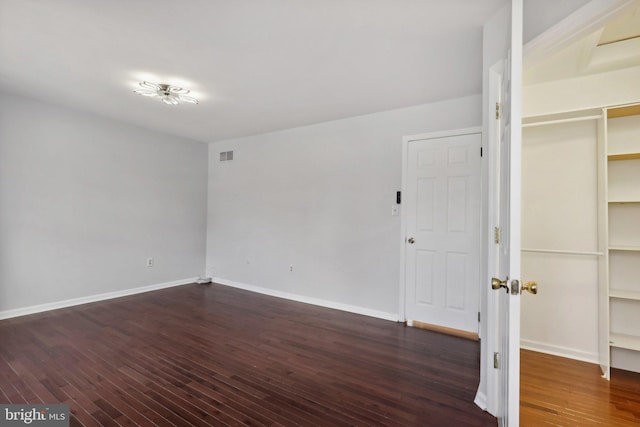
{"x": 170, "y": 95}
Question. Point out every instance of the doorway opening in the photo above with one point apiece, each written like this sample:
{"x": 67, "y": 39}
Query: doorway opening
{"x": 578, "y": 217}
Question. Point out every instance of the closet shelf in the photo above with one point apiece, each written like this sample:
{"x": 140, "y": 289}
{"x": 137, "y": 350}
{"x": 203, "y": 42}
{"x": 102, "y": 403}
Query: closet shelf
{"x": 624, "y": 248}
{"x": 631, "y": 295}
{"x": 561, "y": 252}
{"x": 623, "y": 156}
{"x": 625, "y": 111}
{"x": 619, "y": 197}
{"x": 630, "y": 342}
{"x": 566, "y": 117}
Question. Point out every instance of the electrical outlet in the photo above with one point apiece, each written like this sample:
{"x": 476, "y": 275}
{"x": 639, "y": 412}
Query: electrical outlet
{"x": 149, "y": 262}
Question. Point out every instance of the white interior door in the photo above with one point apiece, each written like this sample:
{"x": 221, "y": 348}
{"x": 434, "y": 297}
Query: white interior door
{"x": 509, "y": 219}
{"x": 509, "y": 270}
{"x": 442, "y": 205}
{"x": 501, "y": 348}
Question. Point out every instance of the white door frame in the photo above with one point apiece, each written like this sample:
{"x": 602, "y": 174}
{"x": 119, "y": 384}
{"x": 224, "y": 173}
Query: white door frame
{"x": 403, "y": 213}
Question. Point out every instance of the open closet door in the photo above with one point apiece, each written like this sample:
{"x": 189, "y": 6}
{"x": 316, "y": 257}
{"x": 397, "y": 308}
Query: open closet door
{"x": 503, "y": 42}
{"x": 507, "y": 283}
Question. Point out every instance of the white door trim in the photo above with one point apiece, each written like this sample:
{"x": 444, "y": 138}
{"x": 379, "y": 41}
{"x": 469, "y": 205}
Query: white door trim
{"x": 403, "y": 214}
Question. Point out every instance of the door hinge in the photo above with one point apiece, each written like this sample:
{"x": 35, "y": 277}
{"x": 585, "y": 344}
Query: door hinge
{"x": 480, "y": 151}
{"x": 496, "y": 234}
{"x": 497, "y": 110}
{"x": 478, "y": 317}
{"x": 496, "y": 360}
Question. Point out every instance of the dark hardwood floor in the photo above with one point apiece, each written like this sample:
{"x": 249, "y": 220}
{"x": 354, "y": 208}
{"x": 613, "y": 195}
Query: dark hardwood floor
{"x": 212, "y": 355}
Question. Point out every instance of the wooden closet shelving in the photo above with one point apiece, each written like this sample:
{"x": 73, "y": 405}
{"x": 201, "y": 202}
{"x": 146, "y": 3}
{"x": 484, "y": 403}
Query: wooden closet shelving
{"x": 621, "y": 142}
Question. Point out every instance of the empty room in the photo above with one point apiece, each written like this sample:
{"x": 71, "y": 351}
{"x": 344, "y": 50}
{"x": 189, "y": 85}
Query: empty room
{"x": 319, "y": 213}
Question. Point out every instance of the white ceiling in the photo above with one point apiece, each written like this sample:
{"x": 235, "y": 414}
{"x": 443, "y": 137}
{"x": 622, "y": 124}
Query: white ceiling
{"x": 256, "y": 66}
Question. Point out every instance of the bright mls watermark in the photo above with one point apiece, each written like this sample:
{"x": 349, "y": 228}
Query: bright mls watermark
{"x": 34, "y": 415}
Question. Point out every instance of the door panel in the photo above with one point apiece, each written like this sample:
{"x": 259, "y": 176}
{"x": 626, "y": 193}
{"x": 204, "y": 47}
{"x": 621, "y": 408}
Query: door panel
{"x": 456, "y": 273}
{"x": 425, "y": 277}
{"x": 425, "y": 204}
{"x": 443, "y": 217}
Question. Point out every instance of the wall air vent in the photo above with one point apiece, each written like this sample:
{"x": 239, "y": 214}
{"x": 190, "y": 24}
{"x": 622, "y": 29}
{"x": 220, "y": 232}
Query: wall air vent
{"x": 226, "y": 155}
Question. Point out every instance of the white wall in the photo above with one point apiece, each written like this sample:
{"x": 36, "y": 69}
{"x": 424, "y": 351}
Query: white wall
{"x": 85, "y": 200}
{"x": 581, "y": 93}
{"x": 560, "y": 212}
{"x": 319, "y": 198}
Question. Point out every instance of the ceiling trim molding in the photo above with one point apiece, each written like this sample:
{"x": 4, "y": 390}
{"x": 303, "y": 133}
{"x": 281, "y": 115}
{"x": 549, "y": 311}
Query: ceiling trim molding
{"x": 589, "y": 18}
{"x": 588, "y": 50}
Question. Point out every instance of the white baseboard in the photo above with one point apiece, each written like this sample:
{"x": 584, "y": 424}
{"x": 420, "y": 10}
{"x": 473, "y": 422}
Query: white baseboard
{"x": 309, "y": 300}
{"x": 561, "y": 351}
{"x": 7, "y": 314}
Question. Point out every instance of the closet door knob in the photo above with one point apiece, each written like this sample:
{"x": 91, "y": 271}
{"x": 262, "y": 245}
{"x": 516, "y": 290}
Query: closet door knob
{"x": 411, "y": 240}
{"x": 531, "y": 287}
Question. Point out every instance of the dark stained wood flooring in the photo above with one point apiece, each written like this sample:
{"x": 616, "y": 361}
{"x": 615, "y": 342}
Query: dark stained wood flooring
{"x": 213, "y": 355}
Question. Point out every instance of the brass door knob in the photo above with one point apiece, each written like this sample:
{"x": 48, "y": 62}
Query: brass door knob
{"x": 497, "y": 284}
{"x": 411, "y": 240}
{"x": 531, "y": 287}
